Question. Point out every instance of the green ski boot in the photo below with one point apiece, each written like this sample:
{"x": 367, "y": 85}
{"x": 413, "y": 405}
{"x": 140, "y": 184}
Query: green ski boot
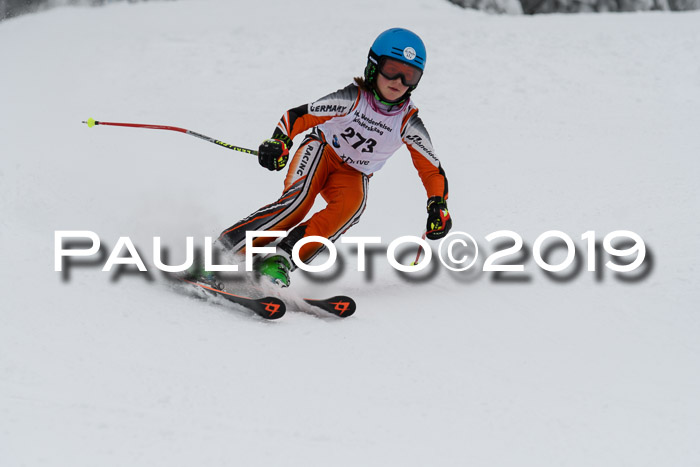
{"x": 276, "y": 268}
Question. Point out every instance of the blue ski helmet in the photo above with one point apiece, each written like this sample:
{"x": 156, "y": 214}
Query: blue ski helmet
{"x": 399, "y": 44}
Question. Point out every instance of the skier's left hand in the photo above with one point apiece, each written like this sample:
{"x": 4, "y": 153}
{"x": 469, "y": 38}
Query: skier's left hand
{"x": 439, "y": 220}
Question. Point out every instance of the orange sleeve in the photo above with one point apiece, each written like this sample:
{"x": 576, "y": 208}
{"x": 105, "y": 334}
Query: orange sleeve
{"x": 300, "y": 119}
{"x": 297, "y": 120}
{"x": 418, "y": 142}
{"x": 433, "y": 178}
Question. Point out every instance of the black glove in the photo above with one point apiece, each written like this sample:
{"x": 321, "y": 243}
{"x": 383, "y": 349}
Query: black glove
{"x": 273, "y": 154}
{"x": 439, "y": 221}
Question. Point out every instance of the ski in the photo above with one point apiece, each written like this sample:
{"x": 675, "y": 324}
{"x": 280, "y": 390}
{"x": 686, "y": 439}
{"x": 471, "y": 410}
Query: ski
{"x": 340, "y": 305}
{"x": 266, "y": 307}
{"x": 270, "y": 307}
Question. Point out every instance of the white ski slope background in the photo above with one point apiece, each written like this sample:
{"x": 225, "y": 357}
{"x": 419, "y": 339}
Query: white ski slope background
{"x": 572, "y": 123}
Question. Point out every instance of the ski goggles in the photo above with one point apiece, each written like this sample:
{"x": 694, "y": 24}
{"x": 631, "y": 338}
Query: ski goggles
{"x": 391, "y": 69}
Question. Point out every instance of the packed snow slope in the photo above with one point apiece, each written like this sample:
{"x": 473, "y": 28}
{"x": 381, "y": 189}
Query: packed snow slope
{"x": 571, "y": 123}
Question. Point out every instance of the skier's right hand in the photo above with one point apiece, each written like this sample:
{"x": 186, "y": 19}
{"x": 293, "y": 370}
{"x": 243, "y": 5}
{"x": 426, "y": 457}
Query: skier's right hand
{"x": 273, "y": 154}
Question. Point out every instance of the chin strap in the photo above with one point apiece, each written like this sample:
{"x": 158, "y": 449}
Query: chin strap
{"x": 378, "y": 96}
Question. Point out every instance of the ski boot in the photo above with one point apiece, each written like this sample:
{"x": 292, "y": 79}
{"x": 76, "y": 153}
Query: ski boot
{"x": 275, "y": 268}
{"x": 197, "y": 273}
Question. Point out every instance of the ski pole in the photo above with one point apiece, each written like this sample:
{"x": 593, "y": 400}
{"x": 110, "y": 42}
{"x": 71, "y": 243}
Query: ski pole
{"x": 420, "y": 250}
{"x": 91, "y": 122}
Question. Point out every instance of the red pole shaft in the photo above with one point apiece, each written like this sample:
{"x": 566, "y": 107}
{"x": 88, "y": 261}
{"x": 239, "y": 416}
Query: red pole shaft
{"x": 140, "y": 125}
{"x": 92, "y": 122}
{"x": 420, "y": 249}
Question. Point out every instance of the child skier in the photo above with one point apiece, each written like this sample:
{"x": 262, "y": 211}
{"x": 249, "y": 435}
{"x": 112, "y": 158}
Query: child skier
{"x": 355, "y": 130}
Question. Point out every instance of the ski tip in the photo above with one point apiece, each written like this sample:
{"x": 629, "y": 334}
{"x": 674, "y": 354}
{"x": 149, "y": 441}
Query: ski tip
{"x": 270, "y": 308}
{"x": 91, "y": 122}
{"x": 341, "y": 305}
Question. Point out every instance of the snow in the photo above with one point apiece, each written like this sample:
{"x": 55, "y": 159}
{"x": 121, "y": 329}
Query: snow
{"x": 571, "y": 123}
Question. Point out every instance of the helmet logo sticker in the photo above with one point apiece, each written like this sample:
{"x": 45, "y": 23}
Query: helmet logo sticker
{"x": 409, "y": 53}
